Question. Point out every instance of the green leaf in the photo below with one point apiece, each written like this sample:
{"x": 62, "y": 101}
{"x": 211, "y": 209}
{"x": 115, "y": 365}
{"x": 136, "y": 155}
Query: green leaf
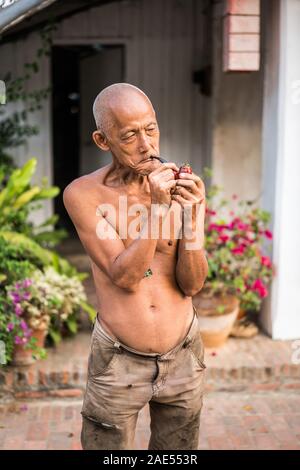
{"x": 220, "y": 309}
{"x": 54, "y": 335}
{"x": 50, "y": 221}
{"x": 26, "y": 197}
{"x": 50, "y": 237}
{"x": 47, "y": 193}
{"x": 72, "y": 324}
{"x": 89, "y": 309}
{"x": 82, "y": 276}
{"x": 29, "y": 246}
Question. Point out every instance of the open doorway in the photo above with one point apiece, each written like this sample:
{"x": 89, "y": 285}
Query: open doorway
{"x": 79, "y": 72}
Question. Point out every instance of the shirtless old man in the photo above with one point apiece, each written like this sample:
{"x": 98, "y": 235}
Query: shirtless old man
{"x": 146, "y": 346}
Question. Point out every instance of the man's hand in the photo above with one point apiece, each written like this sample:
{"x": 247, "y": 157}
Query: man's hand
{"x": 189, "y": 190}
{"x": 161, "y": 182}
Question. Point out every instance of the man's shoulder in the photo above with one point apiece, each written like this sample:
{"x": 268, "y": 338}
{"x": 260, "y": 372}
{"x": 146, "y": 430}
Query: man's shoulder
{"x": 86, "y": 186}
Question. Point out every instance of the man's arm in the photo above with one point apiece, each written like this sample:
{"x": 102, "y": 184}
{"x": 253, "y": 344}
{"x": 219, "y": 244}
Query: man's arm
{"x": 124, "y": 266}
{"x": 192, "y": 266}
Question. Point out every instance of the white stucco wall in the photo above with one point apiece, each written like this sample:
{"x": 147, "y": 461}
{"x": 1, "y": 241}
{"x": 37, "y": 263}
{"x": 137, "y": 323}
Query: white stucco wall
{"x": 236, "y": 123}
{"x": 281, "y": 163}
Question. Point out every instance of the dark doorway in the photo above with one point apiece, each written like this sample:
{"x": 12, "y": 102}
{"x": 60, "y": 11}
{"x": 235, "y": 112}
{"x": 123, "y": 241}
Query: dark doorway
{"x": 79, "y": 72}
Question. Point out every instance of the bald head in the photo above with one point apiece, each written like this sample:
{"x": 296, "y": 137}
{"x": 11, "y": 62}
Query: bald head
{"x": 112, "y": 99}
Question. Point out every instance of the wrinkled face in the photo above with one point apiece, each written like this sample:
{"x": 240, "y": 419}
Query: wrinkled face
{"x": 133, "y": 136}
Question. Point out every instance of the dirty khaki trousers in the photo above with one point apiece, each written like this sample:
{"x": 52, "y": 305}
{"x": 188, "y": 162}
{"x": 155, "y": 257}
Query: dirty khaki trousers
{"x": 122, "y": 380}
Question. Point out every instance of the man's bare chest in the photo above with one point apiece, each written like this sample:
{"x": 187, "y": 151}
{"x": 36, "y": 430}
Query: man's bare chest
{"x": 128, "y": 214}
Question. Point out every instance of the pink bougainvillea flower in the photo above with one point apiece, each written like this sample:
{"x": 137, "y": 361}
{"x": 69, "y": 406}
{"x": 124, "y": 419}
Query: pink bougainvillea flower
{"x": 233, "y": 224}
{"x": 265, "y": 261}
{"x": 239, "y": 250}
{"x": 242, "y": 226}
{"x": 259, "y": 287}
{"x": 234, "y": 196}
{"x": 216, "y": 227}
{"x": 223, "y": 238}
{"x": 268, "y": 234}
{"x": 209, "y": 211}
{"x": 257, "y": 283}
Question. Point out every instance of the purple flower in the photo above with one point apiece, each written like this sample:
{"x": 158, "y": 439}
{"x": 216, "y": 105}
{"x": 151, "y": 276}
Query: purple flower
{"x": 10, "y": 326}
{"x": 27, "y": 282}
{"x": 18, "y": 309}
{"x": 15, "y": 297}
{"x": 18, "y": 340}
{"x": 26, "y": 296}
{"x": 23, "y": 325}
{"x": 27, "y": 333}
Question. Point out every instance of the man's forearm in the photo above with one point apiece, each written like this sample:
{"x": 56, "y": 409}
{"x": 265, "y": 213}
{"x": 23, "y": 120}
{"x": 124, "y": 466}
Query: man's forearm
{"x": 192, "y": 266}
{"x": 191, "y": 271}
{"x": 130, "y": 266}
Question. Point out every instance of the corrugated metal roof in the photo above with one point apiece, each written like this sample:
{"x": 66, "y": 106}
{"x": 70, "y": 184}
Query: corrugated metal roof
{"x": 13, "y": 13}
{"x": 23, "y": 16}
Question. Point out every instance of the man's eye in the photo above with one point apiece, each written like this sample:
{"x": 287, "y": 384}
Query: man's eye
{"x": 150, "y": 129}
{"x": 129, "y": 136}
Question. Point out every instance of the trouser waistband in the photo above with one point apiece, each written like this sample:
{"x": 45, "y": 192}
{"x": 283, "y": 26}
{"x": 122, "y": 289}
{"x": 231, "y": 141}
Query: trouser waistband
{"x": 193, "y": 329}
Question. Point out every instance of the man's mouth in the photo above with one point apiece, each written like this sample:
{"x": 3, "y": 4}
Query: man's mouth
{"x": 157, "y": 157}
{"x": 149, "y": 159}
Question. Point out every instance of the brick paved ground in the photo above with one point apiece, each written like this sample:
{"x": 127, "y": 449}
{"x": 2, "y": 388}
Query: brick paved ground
{"x": 256, "y": 364}
{"x": 229, "y": 421}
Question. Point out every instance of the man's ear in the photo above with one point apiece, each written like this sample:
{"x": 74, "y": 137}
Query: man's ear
{"x": 100, "y": 140}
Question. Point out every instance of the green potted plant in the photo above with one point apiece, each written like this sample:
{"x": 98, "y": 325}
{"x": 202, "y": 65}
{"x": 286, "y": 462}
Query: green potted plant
{"x": 239, "y": 268}
{"x": 65, "y": 297}
{"x": 47, "y": 303}
{"x": 28, "y": 322}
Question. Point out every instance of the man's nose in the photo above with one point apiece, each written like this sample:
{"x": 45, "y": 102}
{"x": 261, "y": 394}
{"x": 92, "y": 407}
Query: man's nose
{"x": 144, "y": 142}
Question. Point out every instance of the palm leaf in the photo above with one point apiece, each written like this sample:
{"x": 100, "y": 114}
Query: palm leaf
{"x": 26, "y": 197}
{"x": 47, "y": 193}
{"x": 89, "y": 309}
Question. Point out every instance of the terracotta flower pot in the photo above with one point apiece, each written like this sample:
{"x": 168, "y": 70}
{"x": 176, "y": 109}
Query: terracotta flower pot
{"x": 242, "y": 313}
{"x": 24, "y": 357}
{"x": 215, "y": 327}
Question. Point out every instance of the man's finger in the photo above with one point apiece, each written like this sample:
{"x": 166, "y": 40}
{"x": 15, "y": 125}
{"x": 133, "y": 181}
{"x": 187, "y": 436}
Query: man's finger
{"x": 185, "y": 193}
{"x": 165, "y": 176}
{"x": 170, "y": 184}
{"x": 165, "y": 166}
{"x": 190, "y": 176}
{"x": 186, "y": 183}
